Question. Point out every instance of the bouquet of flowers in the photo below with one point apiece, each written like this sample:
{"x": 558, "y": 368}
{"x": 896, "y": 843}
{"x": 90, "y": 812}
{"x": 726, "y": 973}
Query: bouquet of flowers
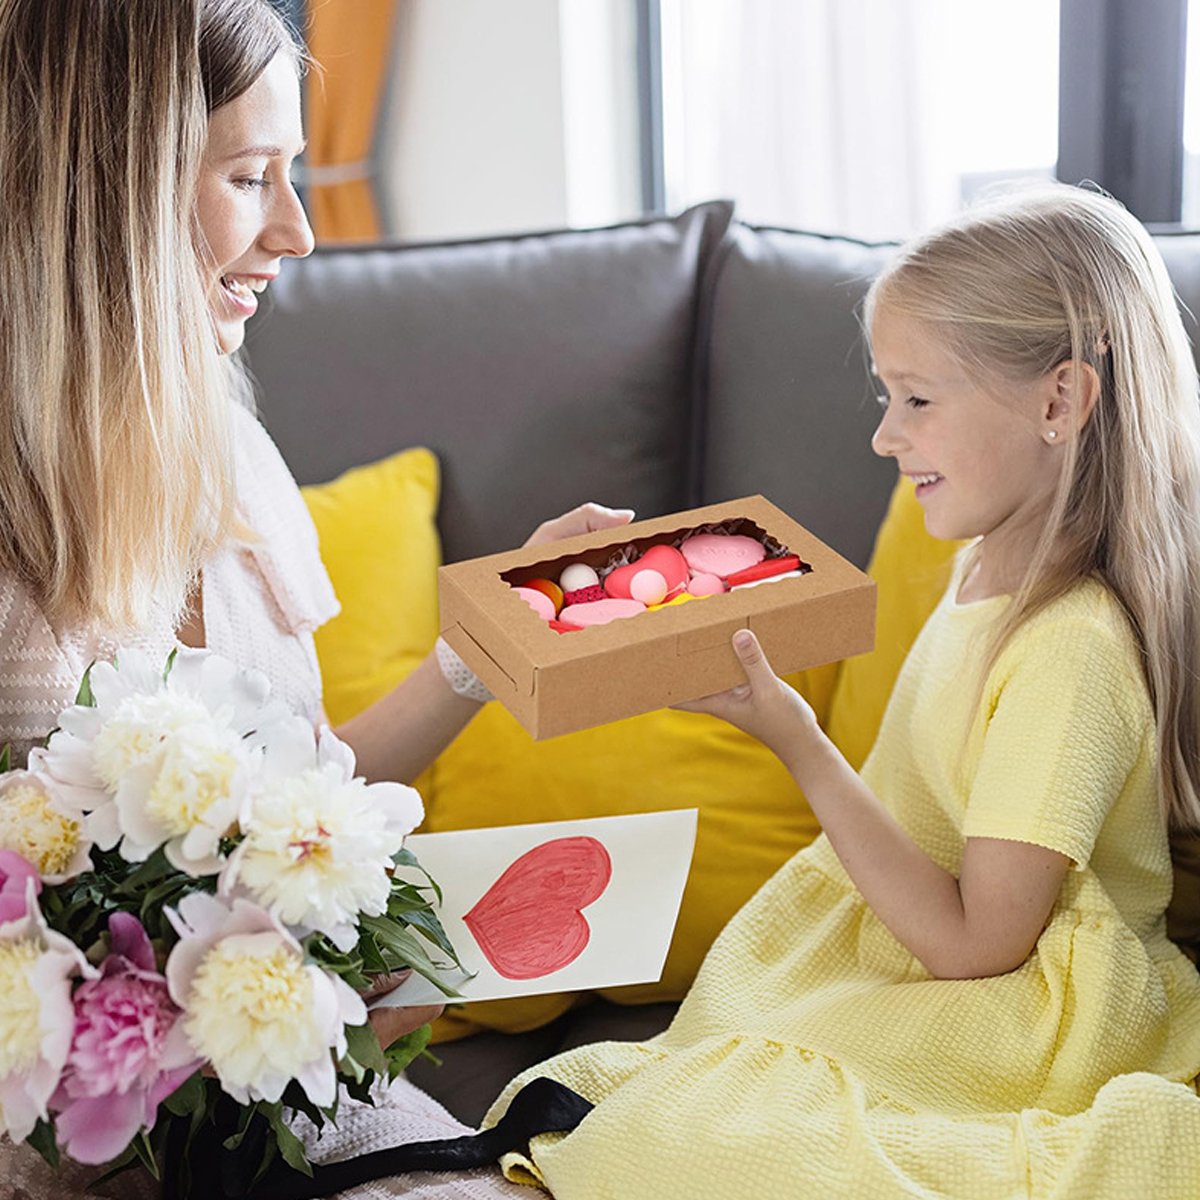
{"x": 194, "y": 890}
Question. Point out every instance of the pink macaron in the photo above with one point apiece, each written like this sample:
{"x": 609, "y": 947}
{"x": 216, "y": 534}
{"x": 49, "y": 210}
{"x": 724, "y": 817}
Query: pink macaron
{"x": 721, "y": 554}
{"x": 600, "y": 612}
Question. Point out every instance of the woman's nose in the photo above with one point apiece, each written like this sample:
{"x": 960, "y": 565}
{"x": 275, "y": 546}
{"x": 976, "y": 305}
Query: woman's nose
{"x": 290, "y": 233}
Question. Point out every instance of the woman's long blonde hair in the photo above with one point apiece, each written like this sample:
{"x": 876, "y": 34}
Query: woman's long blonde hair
{"x": 116, "y": 463}
{"x": 1034, "y": 279}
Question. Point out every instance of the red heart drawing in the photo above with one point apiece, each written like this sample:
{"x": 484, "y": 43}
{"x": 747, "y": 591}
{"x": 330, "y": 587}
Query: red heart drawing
{"x": 530, "y": 922}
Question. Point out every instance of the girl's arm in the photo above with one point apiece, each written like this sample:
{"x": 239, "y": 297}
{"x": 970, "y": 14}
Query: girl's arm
{"x": 401, "y": 734}
{"x": 984, "y": 922}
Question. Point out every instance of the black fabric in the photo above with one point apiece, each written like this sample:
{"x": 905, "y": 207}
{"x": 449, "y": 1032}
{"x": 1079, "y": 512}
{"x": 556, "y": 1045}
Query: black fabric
{"x": 541, "y": 1106}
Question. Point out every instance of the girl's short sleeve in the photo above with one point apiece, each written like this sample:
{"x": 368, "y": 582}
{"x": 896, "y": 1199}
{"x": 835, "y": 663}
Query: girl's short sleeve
{"x": 1069, "y": 720}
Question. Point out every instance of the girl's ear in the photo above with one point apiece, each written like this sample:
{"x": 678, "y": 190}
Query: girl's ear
{"x": 1071, "y": 394}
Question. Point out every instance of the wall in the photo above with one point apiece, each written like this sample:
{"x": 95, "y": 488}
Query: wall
{"x": 511, "y": 116}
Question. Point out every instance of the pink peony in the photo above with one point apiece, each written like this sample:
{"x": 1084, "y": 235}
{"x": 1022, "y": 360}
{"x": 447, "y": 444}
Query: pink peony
{"x": 14, "y": 871}
{"x": 129, "y": 1051}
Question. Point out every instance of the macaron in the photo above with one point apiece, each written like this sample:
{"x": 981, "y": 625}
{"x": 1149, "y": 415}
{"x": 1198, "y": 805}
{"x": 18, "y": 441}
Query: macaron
{"x": 721, "y": 554}
{"x": 600, "y": 612}
{"x": 538, "y": 601}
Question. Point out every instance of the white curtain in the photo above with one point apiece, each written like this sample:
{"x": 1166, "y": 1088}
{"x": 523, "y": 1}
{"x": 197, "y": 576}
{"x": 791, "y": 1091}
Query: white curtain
{"x": 854, "y": 116}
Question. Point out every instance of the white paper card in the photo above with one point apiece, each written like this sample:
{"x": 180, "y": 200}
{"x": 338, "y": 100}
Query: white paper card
{"x": 560, "y": 906}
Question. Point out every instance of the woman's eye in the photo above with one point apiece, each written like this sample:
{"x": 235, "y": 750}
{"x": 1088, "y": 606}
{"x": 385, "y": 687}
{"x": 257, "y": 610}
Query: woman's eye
{"x": 916, "y": 402}
{"x": 251, "y": 185}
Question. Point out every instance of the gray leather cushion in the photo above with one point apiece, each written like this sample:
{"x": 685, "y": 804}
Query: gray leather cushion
{"x": 543, "y": 370}
{"x": 790, "y": 409}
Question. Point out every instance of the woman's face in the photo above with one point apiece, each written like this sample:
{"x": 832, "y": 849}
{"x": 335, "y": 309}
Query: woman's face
{"x": 247, "y": 210}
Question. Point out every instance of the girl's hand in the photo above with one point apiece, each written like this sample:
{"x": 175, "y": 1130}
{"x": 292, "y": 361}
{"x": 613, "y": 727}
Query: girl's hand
{"x": 764, "y": 706}
{"x": 587, "y": 518}
{"x": 391, "y": 1024}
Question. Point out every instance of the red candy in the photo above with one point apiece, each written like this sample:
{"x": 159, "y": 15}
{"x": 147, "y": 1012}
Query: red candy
{"x": 666, "y": 560}
{"x": 584, "y": 595}
{"x": 764, "y": 570}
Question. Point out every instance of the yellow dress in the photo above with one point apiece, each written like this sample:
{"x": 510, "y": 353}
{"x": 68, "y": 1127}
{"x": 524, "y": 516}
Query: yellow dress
{"x": 815, "y": 1056}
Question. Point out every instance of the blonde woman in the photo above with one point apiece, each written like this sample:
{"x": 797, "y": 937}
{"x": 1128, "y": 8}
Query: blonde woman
{"x": 964, "y": 987}
{"x": 145, "y": 203}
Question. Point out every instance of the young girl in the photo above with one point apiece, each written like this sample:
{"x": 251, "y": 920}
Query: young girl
{"x": 145, "y": 202}
{"x": 964, "y": 987}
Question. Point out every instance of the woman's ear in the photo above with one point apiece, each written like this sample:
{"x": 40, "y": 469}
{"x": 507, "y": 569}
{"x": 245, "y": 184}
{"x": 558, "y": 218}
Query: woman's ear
{"x": 1073, "y": 388}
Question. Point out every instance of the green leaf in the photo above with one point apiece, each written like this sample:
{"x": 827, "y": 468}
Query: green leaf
{"x": 408, "y": 951}
{"x": 84, "y": 695}
{"x": 406, "y": 858}
{"x": 170, "y": 662}
{"x": 404, "y": 1049}
{"x": 145, "y": 1154}
{"x": 6, "y": 758}
{"x": 270, "y": 1150}
{"x": 187, "y": 1097}
{"x": 156, "y": 867}
{"x": 245, "y": 1116}
{"x": 363, "y": 1046}
{"x": 290, "y": 1146}
{"x": 43, "y": 1140}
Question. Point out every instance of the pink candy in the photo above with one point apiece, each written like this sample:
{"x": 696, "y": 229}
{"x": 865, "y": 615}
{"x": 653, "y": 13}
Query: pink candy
{"x": 721, "y": 554}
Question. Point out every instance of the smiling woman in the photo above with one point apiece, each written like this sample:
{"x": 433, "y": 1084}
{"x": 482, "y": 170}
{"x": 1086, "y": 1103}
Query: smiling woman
{"x": 145, "y": 204}
{"x": 248, "y": 212}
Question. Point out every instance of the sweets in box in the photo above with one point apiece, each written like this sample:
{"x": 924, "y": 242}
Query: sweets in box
{"x": 606, "y": 625}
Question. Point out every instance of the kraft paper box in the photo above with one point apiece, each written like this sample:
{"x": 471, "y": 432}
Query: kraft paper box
{"x": 556, "y": 683}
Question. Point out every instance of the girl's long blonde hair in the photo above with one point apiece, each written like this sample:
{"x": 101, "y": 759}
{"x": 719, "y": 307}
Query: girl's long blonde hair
{"x": 1034, "y": 279}
{"x": 116, "y": 463}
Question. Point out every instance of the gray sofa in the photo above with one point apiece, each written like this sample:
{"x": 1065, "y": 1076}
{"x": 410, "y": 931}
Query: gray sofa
{"x": 659, "y": 364}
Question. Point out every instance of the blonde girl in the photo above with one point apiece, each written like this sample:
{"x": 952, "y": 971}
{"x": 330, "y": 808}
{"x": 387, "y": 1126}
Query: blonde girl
{"x": 145, "y": 203}
{"x": 964, "y": 987}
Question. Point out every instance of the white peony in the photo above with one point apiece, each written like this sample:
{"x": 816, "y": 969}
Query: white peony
{"x": 36, "y": 823}
{"x": 162, "y": 762}
{"x": 252, "y": 1007}
{"x": 319, "y": 843}
{"x": 37, "y": 1019}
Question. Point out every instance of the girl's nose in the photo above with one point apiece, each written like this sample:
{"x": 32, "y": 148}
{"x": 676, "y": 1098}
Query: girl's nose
{"x": 886, "y": 440}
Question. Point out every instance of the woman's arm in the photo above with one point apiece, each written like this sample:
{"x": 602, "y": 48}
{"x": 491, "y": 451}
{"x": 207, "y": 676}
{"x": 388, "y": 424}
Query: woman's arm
{"x": 984, "y": 922}
{"x": 401, "y": 734}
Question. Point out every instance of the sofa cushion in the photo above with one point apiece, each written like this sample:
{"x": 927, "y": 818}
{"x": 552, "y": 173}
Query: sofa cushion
{"x": 379, "y": 543}
{"x": 788, "y": 409}
{"x": 543, "y": 370}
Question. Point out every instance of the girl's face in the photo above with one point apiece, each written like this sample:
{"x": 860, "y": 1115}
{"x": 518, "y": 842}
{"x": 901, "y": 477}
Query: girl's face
{"x": 247, "y": 210}
{"x": 976, "y": 450}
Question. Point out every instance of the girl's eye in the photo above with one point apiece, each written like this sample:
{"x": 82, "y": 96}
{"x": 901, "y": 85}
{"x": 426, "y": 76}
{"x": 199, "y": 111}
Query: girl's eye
{"x": 252, "y": 185}
{"x": 916, "y": 402}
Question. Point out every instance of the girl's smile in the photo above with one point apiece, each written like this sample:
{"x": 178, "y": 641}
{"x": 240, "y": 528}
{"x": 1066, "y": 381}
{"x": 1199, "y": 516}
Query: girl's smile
{"x": 974, "y": 449}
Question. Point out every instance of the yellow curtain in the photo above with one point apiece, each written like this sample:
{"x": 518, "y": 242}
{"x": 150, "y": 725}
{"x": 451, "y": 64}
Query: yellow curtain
{"x": 352, "y": 42}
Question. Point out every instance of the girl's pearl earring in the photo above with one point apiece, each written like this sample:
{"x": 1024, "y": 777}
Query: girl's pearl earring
{"x": 1051, "y": 434}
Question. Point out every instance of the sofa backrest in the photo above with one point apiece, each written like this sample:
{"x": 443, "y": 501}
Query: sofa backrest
{"x": 543, "y": 370}
{"x": 659, "y": 364}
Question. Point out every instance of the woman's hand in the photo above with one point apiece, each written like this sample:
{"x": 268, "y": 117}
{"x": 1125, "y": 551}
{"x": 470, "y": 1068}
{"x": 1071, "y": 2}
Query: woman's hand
{"x": 587, "y": 518}
{"x": 391, "y": 1024}
{"x": 764, "y": 706}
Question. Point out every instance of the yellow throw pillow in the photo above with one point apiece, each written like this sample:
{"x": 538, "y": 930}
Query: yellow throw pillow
{"x": 911, "y": 569}
{"x": 379, "y": 542}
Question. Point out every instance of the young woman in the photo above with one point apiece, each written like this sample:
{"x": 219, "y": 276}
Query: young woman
{"x": 145, "y": 204}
